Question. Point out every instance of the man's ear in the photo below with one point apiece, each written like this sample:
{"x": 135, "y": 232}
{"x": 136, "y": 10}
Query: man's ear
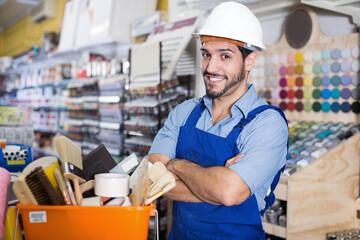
{"x": 250, "y": 61}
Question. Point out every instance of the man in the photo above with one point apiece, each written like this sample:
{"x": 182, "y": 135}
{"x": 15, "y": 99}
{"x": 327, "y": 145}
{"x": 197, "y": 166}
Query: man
{"x": 219, "y": 192}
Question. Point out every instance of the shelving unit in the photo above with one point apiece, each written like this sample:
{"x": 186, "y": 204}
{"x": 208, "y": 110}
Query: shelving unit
{"x": 322, "y": 196}
{"x": 143, "y": 110}
{"x": 76, "y": 103}
{"x": 154, "y": 81}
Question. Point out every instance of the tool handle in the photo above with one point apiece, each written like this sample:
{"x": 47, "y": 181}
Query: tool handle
{"x": 153, "y": 198}
{"x": 87, "y": 186}
{"x": 78, "y": 194}
{"x": 76, "y": 180}
{"x": 71, "y": 192}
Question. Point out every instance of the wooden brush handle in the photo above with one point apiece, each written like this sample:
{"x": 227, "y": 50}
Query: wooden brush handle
{"x": 87, "y": 186}
{"x": 153, "y": 198}
{"x": 76, "y": 180}
{"x": 78, "y": 194}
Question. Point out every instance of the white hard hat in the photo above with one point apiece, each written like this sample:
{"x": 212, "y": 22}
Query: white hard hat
{"x": 234, "y": 21}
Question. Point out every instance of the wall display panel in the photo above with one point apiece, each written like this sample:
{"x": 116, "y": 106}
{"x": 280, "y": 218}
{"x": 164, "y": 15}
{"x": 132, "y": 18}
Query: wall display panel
{"x": 314, "y": 79}
{"x": 311, "y": 79}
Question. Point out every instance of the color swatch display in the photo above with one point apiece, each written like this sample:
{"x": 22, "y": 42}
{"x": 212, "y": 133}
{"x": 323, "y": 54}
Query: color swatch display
{"x": 324, "y": 80}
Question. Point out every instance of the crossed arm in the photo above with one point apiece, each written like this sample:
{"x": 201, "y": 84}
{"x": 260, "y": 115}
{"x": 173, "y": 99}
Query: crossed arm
{"x": 194, "y": 183}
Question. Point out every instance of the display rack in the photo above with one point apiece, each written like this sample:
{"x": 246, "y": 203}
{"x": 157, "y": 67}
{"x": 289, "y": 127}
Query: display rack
{"x": 74, "y": 106}
{"x": 145, "y": 73}
{"x": 154, "y": 70}
{"x": 321, "y": 197}
{"x": 277, "y": 70}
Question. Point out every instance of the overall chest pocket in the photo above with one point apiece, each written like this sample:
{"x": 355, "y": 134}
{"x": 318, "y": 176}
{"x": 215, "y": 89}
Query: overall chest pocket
{"x": 202, "y": 159}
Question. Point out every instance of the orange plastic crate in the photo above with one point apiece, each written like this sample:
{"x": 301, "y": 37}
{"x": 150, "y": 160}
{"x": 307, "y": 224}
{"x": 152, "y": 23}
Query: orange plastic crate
{"x": 77, "y": 222}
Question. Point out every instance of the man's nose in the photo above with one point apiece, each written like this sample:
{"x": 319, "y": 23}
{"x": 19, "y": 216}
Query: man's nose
{"x": 212, "y": 65}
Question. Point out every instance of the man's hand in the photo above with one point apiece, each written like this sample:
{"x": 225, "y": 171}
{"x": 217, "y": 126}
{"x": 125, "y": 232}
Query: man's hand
{"x": 233, "y": 160}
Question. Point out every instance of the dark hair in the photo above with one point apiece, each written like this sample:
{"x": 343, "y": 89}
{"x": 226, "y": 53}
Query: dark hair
{"x": 244, "y": 52}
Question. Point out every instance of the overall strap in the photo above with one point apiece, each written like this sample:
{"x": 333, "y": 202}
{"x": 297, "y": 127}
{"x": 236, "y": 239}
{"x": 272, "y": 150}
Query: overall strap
{"x": 195, "y": 114}
{"x": 270, "y": 199}
{"x": 255, "y": 112}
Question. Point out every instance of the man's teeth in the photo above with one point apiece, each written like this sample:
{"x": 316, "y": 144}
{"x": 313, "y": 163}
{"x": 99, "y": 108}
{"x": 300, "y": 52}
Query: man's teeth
{"x": 215, "y": 79}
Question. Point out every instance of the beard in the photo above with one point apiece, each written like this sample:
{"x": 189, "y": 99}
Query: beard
{"x": 228, "y": 85}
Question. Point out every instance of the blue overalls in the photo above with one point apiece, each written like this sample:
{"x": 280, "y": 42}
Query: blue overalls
{"x": 199, "y": 221}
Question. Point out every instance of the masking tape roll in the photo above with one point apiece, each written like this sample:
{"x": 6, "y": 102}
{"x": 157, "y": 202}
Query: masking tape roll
{"x": 112, "y": 184}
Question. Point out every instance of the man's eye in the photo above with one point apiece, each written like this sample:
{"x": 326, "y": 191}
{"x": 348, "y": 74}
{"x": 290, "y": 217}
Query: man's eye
{"x": 205, "y": 55}
{"x": 225, "y": 56}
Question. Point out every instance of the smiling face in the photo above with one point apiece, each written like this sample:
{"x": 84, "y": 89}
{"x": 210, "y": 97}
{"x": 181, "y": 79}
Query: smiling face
{"x": 222, "y": 67}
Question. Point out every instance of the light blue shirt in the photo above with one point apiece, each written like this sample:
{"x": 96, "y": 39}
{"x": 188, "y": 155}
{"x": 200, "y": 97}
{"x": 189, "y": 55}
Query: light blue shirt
{"x": 263, "y": 140}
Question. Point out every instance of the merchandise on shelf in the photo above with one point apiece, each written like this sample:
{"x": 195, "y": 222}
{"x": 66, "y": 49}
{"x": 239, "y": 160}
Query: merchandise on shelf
{"x": 186, "y": 64}
{"x": 15, "y": 150}
{"x": 150, "y": 104}
{"x": 112, "y": 114}
{"x": 37, "y": 97}
{"x": 309, "y": 141}
{"x": 276, "y": 214}
{"x": 139, "y": 145}
{"x": 143, "y": 124}
{"x": 113, "y": 86}
{"x": 15, "y": 157}
{"x": 145, "y": 89}
{"x": 17, "y": 134}
{"x": 46, "y": 121}
{"x": 113, "y": 140}
{"x": 346, "y": 234}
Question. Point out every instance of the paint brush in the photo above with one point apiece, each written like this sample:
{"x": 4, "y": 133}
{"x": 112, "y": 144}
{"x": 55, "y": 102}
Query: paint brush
{"x": 23, "y": 192}
{"x": 65, "y": 193}
{"x": 161, "y": 181}
{"x": 139, "y": 181}
{"x": 71, "y": 192}
{"x": 20, "y": 187}
{"x": 72, "y": 166}
{"x": 167, "y": 188}
{"x": 159, "y": 177}
{"x": 42, "y": 189}
{"x": 72, "y": 173}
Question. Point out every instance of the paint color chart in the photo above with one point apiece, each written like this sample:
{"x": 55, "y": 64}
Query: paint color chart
{"x": 316, "y": 79}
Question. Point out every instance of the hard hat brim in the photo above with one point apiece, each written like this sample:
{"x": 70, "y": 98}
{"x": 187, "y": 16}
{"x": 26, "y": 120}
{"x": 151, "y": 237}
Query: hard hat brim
{"x": 259, "y": 48}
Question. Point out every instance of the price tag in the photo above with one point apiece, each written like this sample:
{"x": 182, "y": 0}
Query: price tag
{"x": 37, "y": 217}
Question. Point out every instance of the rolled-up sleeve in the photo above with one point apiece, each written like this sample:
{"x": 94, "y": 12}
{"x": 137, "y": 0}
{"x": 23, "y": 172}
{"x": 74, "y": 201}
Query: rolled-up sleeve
{"x": 264, "y": 144}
